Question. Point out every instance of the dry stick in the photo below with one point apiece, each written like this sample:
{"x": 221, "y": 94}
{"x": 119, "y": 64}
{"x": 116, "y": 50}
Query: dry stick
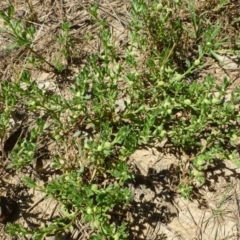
{"x": 199, "y": 226}
{"x": 116, "y": 16}
{"x": 238, "y": 214}
{"x": 53, "y": 211}
{"x": 81, "y": 228}
{"x": 40, "y": 30}
{"x": 157, "y": 228}
{"x": 51, "y": 10}
{"x": 170, "y": 52}
{"x": 38, "y": 55}
{"x": 190, "y": 215}
{"x": 43, "y": 215}
{"x": 93, "y": 174}
{"x": 35, "y": 204}
{"x": 28, "y": 210}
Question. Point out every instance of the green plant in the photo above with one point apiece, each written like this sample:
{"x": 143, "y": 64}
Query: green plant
{"x": 92, "y": 203}
{"x": 185, "y": 190}
{"x": 190, "y": 111}
{"x": 88, "y": 200}
{"x": 22, "y": 36}
{"x": 165, "y": 102}
{"x": 66, "y": 44}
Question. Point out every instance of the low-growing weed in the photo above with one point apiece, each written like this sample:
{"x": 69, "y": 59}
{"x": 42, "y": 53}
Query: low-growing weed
{"x": 159, "y": 75}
